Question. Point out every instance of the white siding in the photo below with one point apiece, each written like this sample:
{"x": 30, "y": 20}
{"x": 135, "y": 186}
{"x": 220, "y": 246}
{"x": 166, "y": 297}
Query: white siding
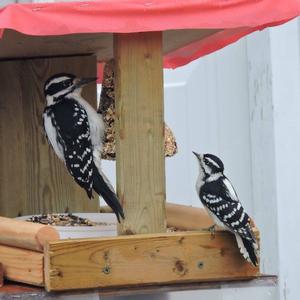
{"x": 262, "y": 147}
{"x": 285, "y": 58}
{"x": 206, "y": 105}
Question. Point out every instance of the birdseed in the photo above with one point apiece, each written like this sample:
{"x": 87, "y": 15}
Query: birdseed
{"x": 63, "y": 220}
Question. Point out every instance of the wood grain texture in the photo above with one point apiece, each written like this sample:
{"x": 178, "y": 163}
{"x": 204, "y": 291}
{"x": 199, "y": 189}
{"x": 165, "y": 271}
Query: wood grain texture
{"x": 140, "y": 131}
{"x": 185, "y": 217}
{"x": 22, "y": 265}
{"x": 182, "y": 217}
{"x": 32, "y": 179}
{"x": 26, "y": 235}
{"x": 144, "y": 259}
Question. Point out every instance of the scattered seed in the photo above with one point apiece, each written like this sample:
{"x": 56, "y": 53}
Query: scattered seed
{"x": 64, "y": 220}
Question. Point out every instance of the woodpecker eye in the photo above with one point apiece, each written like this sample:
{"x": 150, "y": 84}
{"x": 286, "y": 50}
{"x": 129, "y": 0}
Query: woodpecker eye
{"x": 68, "y": 83}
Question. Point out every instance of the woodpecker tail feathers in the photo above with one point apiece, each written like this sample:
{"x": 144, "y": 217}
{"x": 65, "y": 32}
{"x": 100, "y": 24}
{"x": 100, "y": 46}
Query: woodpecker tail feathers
{"x": 106, "y": 192}
{"x": 248, "y": 248}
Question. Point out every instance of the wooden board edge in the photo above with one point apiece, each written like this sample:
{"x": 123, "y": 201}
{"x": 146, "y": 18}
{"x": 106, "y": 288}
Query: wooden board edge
{"x": 54, "y": 248}
{"x": 22, "y": 265}
{"x": 140, "y": 237}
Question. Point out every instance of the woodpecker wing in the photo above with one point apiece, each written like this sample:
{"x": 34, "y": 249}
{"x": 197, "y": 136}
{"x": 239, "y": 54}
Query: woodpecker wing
{"x": 73, "y": 135}
{"x": 220, "y": 198}
{"x": 51, "y": 134}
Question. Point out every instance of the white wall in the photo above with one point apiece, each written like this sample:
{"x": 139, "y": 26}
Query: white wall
{"x": 263, "y": 147}
{"x": 285, "y": 56}
{"x": 206, "y": 105}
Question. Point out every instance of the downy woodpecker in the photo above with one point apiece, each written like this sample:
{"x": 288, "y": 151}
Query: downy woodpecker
{"x": 221, "y": 201}
{"x": 75, "y": 131}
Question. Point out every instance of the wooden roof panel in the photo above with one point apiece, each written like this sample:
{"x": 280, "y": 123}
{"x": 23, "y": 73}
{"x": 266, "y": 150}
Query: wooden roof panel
{"x": 14, "y": 45}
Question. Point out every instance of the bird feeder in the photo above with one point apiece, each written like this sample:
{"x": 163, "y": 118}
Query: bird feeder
{"x": 38, "y": 40}
{"x": 107, "y": 109}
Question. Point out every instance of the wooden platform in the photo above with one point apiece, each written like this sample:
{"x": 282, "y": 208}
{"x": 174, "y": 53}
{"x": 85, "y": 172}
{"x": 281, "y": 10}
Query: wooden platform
{"x": 178, "y": 257}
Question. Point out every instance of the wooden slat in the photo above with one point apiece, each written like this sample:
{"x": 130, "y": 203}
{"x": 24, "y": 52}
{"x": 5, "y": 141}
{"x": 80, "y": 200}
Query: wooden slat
{"x": 12, "y": 142}
{"x": 140, "y": 131}
{"x": 185, "y": 217}
{"x": 182, "y": 217}
{"x": 144, "y": 259}
{"x": 32, "y": 179}
{"x": 22, "y": 265}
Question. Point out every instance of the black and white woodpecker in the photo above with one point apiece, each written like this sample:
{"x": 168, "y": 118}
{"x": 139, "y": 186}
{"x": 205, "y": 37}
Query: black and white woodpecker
{"x": 221, "y": 201}
{"x": 75, "y": 131}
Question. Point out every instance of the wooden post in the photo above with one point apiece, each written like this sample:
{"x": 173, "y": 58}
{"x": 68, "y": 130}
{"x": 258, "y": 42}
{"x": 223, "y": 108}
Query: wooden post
{"x": 140, "y": 131}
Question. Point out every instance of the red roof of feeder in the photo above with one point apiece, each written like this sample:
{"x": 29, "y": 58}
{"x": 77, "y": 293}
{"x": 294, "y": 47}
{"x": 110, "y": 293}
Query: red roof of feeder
{"x": 234, "y": 18}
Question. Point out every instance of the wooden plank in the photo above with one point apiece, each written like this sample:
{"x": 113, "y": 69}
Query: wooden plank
{"x": 144, "y": 259}
{"x": 140, "y": 131}
{"x": 182, "y": 217}
{"x": 17, "y": 45}
{"x": 12, "y": 142}
{"x": 32, "y": 179}
{"x": 185, "y": 217}
{"x": 22, "y": 265}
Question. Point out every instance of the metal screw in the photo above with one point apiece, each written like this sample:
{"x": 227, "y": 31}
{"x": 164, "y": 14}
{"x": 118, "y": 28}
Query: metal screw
{"x": 200, "y": 264}
{"x": 106, "y": 270}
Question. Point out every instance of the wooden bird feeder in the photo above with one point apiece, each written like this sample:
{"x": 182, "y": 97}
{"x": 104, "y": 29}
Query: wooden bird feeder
{"x": 141, "y": 39}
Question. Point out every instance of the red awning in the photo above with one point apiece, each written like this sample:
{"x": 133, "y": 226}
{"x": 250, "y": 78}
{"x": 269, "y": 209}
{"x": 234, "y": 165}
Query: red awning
{"x": 236, "y": 18}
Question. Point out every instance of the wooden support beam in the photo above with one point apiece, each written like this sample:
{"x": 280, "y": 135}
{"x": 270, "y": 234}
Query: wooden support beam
{"x": 32, "y": 179}
{"x": 140, "y": 131}
{"x": 144, "y": 259}
{"x": 22, "y": 265}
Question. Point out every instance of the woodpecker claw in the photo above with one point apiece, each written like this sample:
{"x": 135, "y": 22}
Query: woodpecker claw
{"x": 212, "y": 230}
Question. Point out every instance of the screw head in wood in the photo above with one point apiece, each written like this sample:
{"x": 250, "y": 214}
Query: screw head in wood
{"x": 106, "y": 270}
{"x": 200, "y": 265}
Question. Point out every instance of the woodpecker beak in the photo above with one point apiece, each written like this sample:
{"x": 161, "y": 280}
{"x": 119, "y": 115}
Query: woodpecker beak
{"x": 197, "y": 155}
{"x": 83, "y": 81}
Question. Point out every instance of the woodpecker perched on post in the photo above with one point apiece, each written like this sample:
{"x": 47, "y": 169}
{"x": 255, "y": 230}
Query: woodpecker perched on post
{"x": 75, "y": 131}
{"x": 221, "y": 201}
